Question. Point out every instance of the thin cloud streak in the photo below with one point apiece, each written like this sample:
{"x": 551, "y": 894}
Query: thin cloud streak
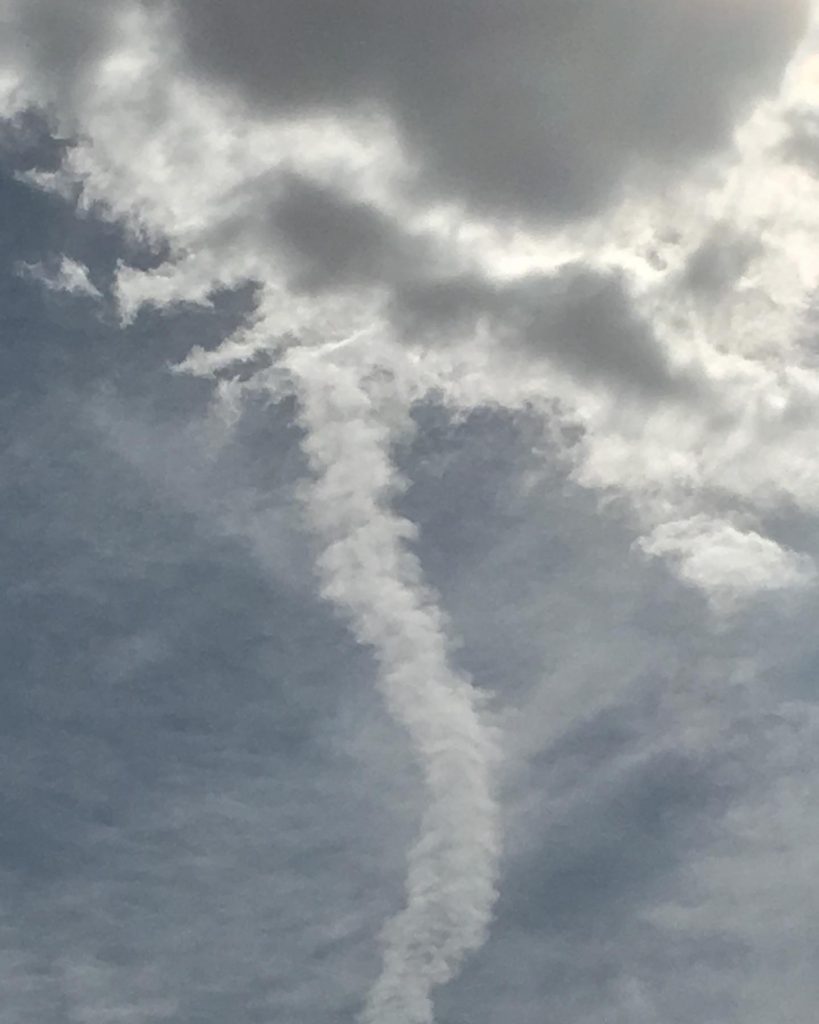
{"x": 370, "y": 575}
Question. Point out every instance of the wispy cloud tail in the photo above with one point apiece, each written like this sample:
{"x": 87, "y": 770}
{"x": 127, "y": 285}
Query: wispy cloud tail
{"x": 368, "y": 572}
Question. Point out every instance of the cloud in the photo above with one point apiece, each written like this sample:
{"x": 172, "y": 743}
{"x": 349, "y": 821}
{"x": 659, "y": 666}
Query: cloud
{"x": 728, "y": 563}
{"x": 67, "y": 276}
{"x": 368, "y": 573}
{"x": 608, "y": 319}
{"x": 719, "y": 263}
{"x": 376, "y": 234}
{"x": 334, "y": 241}
{"x": 530, "y": 109}
{"x": 580, "y": 320}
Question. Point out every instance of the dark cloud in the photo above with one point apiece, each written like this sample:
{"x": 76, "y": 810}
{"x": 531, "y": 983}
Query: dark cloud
{"x": 801, "y": 145}
{"x": 581, "y": 319}
{"x": 527, "y": 106}
{"x": 334, "y": 241}
{"x": 26, "y": 142}
{"x": 586, "y": 322}
{"x": 58, "y": 46}
{"x": 718, "y": 263}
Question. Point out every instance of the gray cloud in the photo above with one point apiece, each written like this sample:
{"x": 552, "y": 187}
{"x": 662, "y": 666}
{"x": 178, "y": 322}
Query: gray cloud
{"x": 336, "y": 242}
{"x": 583, "y": 320}
{"x": 61, "y": 43}
{"x": 718, "y": 263}
{"x": 802, "y": 142}
{"x": 529, "y": 107}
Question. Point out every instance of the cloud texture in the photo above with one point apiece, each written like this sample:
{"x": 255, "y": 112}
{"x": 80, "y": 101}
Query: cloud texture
{"x": 326, "y": 257}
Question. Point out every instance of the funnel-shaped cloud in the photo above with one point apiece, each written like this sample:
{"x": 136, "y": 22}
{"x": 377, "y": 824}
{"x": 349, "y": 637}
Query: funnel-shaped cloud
{"x": 370, "y": 575}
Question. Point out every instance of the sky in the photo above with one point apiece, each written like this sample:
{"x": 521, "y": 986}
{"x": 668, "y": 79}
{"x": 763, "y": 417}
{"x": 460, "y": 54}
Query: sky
{"x": 411, "y": 511}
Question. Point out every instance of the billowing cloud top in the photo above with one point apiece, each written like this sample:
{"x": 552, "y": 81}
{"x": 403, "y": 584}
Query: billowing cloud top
{"x": 581, "y": 232}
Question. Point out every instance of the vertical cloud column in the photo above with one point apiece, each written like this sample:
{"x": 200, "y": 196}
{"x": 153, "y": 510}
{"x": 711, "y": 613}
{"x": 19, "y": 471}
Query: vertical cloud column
{"x": 370, "y": 575}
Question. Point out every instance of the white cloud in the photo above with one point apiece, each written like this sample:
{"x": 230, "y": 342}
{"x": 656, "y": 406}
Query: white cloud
{"x": 727, "y": 563}
{"x": 367, "y": 571}
{"x": 66, "y": 275}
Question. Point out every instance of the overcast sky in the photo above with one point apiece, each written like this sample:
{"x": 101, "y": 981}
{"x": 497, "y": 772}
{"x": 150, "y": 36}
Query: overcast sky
{"x": 410, "y": 521}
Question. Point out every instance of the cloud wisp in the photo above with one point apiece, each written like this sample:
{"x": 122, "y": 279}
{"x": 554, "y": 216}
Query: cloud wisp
{"x": 66, "y": 276}
{"x": 368, "y": 572}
